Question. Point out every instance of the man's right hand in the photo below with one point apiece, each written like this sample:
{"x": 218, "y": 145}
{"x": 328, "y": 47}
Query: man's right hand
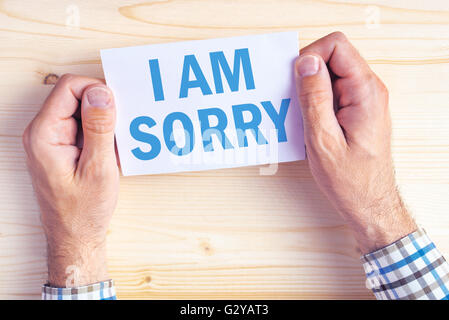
{"x": 347, "y": 130}
{"x": 76, "y": 178}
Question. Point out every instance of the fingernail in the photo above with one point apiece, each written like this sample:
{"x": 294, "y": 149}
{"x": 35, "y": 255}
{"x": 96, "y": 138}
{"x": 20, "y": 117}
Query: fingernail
{"x": 99, "y": 97}
{"x": 307, "y": 65}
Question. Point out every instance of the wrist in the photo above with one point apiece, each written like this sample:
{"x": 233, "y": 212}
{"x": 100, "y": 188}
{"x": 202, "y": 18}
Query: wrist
{"x": 72, "y": 263}
{"x": 383, "y": 224}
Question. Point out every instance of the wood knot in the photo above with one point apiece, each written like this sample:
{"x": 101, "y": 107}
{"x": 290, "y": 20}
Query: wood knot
{"x": 147, "y": 279}
{"x": 206, "y": 247}
{"x": 51, "y": 78}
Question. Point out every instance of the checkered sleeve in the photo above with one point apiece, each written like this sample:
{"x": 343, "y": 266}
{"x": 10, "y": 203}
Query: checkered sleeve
{"x": 411, "y": 268}
{"x": 98, "y": 291}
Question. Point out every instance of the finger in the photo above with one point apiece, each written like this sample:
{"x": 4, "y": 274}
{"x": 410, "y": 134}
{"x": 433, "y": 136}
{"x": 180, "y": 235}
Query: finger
{"x": 98, "y": 122}
{"x": 315, "y": 95}
{"x": 339, "y": 54}
{"x": 64, "y": 99}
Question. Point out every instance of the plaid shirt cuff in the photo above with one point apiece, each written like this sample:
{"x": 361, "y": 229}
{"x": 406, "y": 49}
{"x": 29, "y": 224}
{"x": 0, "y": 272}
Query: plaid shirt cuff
{"x": 98, "y": 291}
{"x": 411, "y": 268}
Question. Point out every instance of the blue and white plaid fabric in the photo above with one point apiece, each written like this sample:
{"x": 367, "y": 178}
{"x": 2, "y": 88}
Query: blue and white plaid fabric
{"x": 411, "y": 268}
{"x": 98, "y": 291}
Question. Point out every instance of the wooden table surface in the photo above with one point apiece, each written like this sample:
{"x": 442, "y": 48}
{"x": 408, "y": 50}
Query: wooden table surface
{"x": 229, "y": 233}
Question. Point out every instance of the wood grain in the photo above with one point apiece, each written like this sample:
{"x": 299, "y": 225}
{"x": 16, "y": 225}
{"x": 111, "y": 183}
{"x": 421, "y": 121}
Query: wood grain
{"x": 226, "y": 233}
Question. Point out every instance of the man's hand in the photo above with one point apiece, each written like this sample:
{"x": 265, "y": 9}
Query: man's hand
{"x": 75, "y": 176}
{"x": 347, "y": 131}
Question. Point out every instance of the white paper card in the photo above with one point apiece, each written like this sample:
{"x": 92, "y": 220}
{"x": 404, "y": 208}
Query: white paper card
{"x": 206, "y": 104}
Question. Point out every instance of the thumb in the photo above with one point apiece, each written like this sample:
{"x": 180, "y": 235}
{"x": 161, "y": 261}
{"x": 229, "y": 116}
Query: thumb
{"x": 98, "y": 121}
{"x": 314, "y": 88}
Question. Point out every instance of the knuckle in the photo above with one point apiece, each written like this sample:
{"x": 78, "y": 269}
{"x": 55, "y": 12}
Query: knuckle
{"x": 339, "y": 36}
{"x": 383, "y": 89}
{"x": 313, "y": 98}
{"x": 380, "y": 90}
{"x": 34, "y": 146}
{"x": 384, "y": 96}
{"x": 367, "y": 85}
{"x": 32, "y": 138}
{"x": 99, "y": 122}
{"x": 26, "y": 138}
{"x": 65, "y": 79}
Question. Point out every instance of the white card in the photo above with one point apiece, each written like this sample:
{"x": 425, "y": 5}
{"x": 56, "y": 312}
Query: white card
{"x": 206, "y": 104}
